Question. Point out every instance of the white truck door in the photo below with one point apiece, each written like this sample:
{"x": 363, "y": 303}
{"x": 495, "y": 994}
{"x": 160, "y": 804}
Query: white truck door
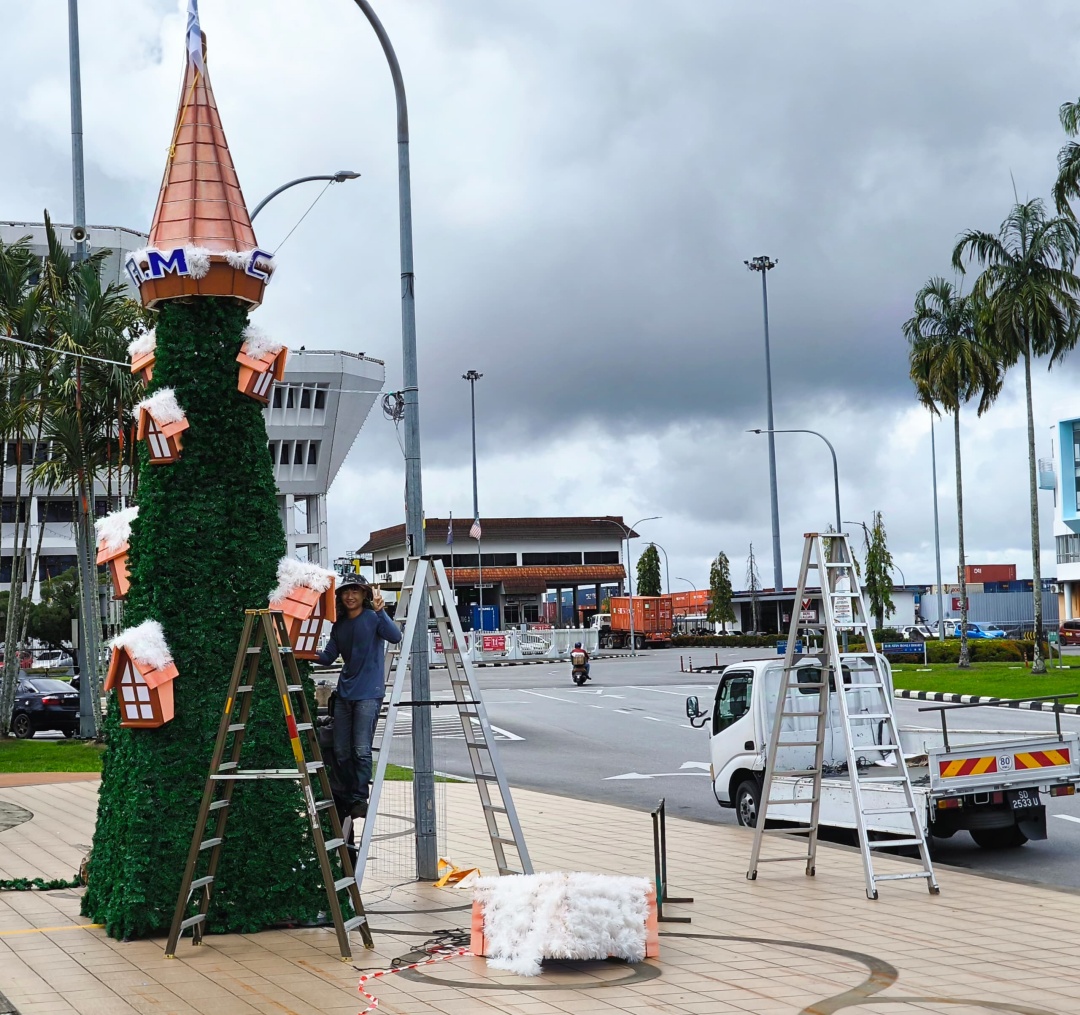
{"x": 733, "y": 741}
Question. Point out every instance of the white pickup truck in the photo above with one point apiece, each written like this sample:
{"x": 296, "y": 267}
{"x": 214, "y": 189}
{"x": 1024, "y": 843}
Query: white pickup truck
{"x": 986, "y": 782}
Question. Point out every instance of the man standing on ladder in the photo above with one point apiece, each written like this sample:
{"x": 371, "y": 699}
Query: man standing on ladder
{"x": 357, "y": 636}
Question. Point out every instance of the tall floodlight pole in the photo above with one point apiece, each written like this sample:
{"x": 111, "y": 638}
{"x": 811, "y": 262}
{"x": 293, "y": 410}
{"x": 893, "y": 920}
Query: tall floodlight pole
{"x": 88, "y": 640}
{"x": 764, "y": 264}
{"x": 472, "y": 377}
{"x": 937, "y": 536}
{"x": 427, "y": 854}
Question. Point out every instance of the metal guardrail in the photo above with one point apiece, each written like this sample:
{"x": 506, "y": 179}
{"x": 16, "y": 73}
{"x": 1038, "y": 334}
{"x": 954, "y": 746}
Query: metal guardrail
{"x": 996, "y": 702}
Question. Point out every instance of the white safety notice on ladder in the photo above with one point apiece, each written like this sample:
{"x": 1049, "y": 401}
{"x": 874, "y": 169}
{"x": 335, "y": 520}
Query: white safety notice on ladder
{"x": 843, "y": 614}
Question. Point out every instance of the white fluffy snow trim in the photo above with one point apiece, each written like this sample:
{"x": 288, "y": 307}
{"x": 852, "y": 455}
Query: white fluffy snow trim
{"x": 240, "y": 259}
{"x": 198, "y": 261}
{"x": 143, "y": 344}
{"x": 293, "y": 574}
{"x": 114, "y": 530}
{"x": 259, "y": 343}
{"x": 145, "y": 643}
{"x": 530, "y": 917}
{"x": 163, "y": 406}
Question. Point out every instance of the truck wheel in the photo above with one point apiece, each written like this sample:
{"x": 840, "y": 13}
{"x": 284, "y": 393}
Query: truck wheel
{"x": 747, "y": 802}
{"x": 999, "y": 838}
{"x": 639, "y": 642}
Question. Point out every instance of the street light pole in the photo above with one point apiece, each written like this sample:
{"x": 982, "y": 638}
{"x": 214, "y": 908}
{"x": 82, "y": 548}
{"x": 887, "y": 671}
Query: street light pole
{"x": 339, "y": 177}
{"x": 688, "y": 582}
{"x": 427, "y": 855}
{"x": 764, "y": 264}
{"x": 472, "y": 377}
{"x": 835, "y": 472}
{"x": 667, "y": 570}
{"x": 626, "y": 530}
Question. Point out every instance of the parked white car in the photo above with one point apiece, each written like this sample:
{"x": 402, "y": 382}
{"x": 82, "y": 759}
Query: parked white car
{"x": 51, "y": 659}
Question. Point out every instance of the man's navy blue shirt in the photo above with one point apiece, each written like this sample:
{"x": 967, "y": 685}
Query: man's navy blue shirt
{"x": 359, "y": 642}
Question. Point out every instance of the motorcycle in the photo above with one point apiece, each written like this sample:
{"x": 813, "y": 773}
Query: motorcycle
{"x": 579, "y": 672}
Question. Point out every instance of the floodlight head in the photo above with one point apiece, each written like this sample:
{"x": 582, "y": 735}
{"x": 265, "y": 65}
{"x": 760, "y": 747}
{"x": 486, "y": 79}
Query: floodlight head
{"x": 345, "y": 174}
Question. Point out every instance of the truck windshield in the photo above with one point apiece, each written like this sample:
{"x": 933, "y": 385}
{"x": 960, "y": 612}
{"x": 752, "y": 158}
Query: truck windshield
{"x": 732, "y": 700}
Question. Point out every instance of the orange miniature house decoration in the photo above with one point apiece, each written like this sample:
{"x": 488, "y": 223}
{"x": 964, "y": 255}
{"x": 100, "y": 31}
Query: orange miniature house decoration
{"x": 201, "y": 240}
{"x": 143, "y": 351}
{"x": 161, "y": 424}
{"x": 113, "y": 533}
{"x": 305, "y": 594}
{"x": 262, "y": 362}
{"x": 142, "y": 672}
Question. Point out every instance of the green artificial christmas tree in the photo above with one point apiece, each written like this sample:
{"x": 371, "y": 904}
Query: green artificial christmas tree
{"x": 204, "y": 547}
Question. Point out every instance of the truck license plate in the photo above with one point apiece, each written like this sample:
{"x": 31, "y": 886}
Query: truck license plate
{"x": 1020, "y": 799}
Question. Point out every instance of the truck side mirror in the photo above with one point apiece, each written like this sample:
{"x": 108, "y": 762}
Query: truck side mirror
{"x": 693, "y": 714}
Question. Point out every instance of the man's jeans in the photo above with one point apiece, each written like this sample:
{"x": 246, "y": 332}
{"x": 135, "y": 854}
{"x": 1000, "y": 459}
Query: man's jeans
{"x": 354, "y": 730}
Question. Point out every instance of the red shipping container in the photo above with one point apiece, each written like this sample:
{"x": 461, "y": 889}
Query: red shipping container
{"x": 652, "y": 615}
{"x": 990, "y": 572}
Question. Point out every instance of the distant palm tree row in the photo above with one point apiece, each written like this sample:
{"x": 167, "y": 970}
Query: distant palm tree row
{"x": 66, "y": 426}
{"x": 1024, "y": 305}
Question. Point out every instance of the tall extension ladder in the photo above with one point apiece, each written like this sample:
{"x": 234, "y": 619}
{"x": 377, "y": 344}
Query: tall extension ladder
{"x": 504, "y": 830}
{"x": 863, "y": 673}
{"x": 265, "y": 628}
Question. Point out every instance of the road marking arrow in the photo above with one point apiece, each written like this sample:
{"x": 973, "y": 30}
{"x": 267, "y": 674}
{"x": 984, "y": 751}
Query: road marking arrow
{"x": 650, "y": 775}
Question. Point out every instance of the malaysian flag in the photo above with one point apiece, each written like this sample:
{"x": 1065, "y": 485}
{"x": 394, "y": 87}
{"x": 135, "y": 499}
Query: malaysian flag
{"x": 450, "y": 531}
{"x": 474, "y": 532}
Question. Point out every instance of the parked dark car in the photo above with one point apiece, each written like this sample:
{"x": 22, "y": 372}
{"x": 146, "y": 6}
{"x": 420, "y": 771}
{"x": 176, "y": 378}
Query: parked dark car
{"x": 42, "y": 703}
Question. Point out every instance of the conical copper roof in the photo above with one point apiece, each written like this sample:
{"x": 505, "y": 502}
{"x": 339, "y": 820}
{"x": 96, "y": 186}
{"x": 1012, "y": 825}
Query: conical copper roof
{"x": 200, "y": 208}
{"x": 200, "y": 203}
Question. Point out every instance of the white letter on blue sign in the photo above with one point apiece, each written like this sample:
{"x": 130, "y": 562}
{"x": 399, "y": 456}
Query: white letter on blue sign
{"x": 159, "y": 264}
{"x": 254, "y": 271}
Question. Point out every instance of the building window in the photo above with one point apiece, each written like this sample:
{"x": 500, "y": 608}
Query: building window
{"x": 305, "y": 398}
{"x": 313, "y": 453}
{"x": 298, "y": 453}
{"x": 532, "y": 613}
{"x": 5, "y": 570}
{"x": 56, "y": 511}
{"x": 52, "y": 566}
{"x": 395, "y": 564}
{"x": 1068, "y": 549}
{"x": 320, "y": 399}
{"x": 290, "y": 398}
{"x": 380, "y": 566}
{"x": 286, "y": 450}
{"x": 105, "y": 505}
{"x": 511, "y": 614}
{"x": 486, "y": 559}
{"x": 273, "y": 451}
{"x": 279, "y": 396}
{"x": 553, "y": 559}
{"x": 7, "y": 514}
{"x": 601, "y": 556}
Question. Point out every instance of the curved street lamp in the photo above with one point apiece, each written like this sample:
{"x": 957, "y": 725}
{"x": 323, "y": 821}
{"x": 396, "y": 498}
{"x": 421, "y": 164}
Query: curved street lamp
{"x": 667, "y": 570}
{"x": 626, "y": 530}
{"x": 688, "y": 582}
{"x": 832, "y": 451}
{"x": 339, "y": 177}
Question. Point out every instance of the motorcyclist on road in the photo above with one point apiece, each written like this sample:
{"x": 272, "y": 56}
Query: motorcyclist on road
{"x": 579, "y": 658}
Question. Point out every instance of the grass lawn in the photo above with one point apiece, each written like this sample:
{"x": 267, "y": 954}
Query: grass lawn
{"x": 49, "y": 756}
{"x": 77, "y": 756}
{"x": 998, "y": 680}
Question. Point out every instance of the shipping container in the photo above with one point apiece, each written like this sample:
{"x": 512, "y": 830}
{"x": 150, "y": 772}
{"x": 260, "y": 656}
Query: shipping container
{"x": 990, "y": 572}
{"x": 652, "y": 620}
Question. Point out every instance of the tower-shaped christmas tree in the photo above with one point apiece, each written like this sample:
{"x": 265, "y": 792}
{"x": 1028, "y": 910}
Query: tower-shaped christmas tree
{"x": 204, "y": 547}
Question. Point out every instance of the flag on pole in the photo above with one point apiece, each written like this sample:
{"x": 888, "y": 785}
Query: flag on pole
{"x": 474, "y": 532}
{"x": 450, "y": 531}
{"x": 194, "y": 36}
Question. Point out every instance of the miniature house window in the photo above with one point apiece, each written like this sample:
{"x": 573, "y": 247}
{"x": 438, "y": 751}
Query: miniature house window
{"x": 142, "y": 672}
{"x": 262, "y": 363}
{"x": 134, "y": 695}
{"x": 305, "y": 595}
{"x": 161, "y": 424}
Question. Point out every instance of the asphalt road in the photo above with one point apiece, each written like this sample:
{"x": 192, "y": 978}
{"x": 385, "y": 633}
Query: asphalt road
{"x": 624, "y": 739}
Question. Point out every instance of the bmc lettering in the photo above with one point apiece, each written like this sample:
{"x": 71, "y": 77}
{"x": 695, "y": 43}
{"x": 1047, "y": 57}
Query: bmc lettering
{"x": 252, "y": 268}
{"x": 158, "y": 265}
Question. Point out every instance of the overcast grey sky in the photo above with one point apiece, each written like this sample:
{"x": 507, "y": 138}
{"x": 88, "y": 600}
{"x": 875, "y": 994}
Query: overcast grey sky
{"x": 588, "y": 179}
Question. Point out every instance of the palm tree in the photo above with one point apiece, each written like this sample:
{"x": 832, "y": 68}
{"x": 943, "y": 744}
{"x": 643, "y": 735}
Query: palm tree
{"x": 1067, "y": 187}
{"x": 950, "y": 366}
{"x": 1029, "y": 300}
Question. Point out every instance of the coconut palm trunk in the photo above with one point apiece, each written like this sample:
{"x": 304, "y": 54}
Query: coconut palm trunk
{"x": 965, "y": 654}
{"x": 1038, "y": 664}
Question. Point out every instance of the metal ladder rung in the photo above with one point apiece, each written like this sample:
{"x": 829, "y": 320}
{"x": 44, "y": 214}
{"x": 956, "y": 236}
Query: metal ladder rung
{"x": 800, "y": 800}
{"x": 246, "y": 774}
{"x": 201, "y": 882}
{"x": 293, "y": 688}
{"x": 343, "y": 883}
{"x": 191, "y": 921}
{"x": 252, "y": 651}
{"x": 324, "y": 805}
{"x": 856, "y": 687}
{"x": 332, "y": 844}
{"x": 245, "y": 689}
{"x": 494, "y": 809}
{"x": 809, "y": 714}
{"x": 228, "y": 765}
{"x": 218, "y": 804}
{"x": 888, "y": 810}
{"x": 797, "y": 743}
{"x": 904, "y": 877}
{"x": 302, "y": 727}
{"x": 314, "y": 766}
{"x": 873, "y": 747}
{"x": 233, "y": 727}
{"x": 354, "y": 922}
{"x": 881, "y": 778}
{"x": 782, "y": 859}
{"x": 210, "y": 843}
{"x": 893, "y": 843}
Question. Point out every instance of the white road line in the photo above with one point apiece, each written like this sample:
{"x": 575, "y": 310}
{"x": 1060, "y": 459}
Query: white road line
{"x": 691, "y": 687}
{"x": 1067, "y": 817}
{"x": 553, "y": 697}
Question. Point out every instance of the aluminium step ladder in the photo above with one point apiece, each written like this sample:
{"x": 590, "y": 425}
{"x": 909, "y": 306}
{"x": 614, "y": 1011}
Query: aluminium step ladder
{"x": 427, "y": 574}
{"x": 266, "y": 629}
{"x": 863, "y": 706}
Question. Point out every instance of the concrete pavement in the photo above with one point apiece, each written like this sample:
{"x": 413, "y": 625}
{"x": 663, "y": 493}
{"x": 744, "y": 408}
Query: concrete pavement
{"x": 784, "y": 943}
